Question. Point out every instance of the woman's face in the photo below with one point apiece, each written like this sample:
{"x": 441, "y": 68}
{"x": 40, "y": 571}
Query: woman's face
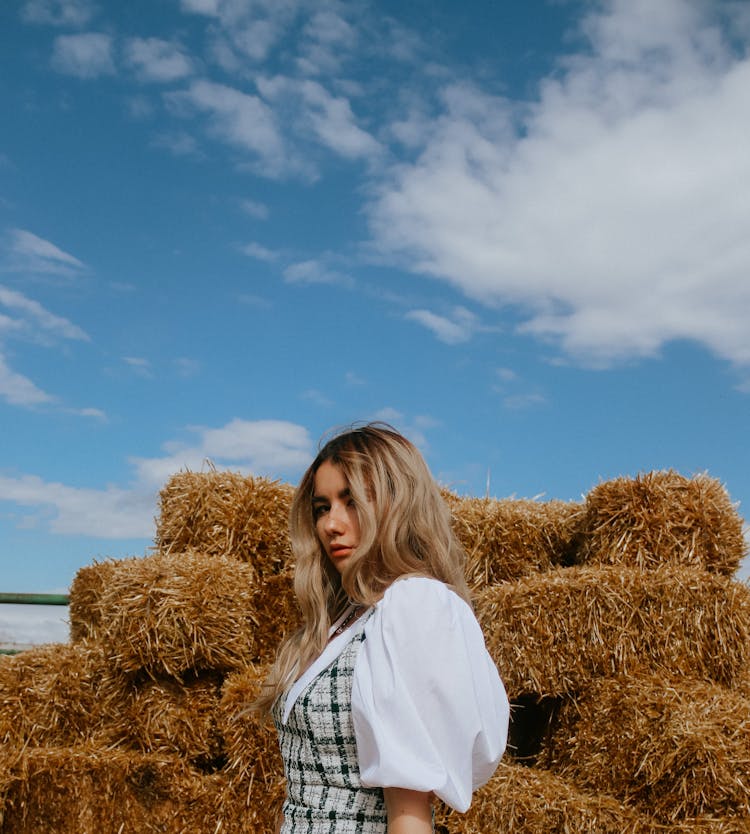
{"x": 336, "y": 519}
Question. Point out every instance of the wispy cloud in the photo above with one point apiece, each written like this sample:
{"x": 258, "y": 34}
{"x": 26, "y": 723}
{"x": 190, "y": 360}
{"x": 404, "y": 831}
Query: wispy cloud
{"x": 260, "y": 253}
{"x": 154, "y": 59}
{"x": 255, "y": 209}
{"x": 274, "y": 448}
{"x": 314, "y": 272}
{"x": 611, "y": 211}
{"x": 34, "y": 321}
{"x": 459, "y": 328}
{"x": 140, "y": 365}
{"x": 86, "y": 55}
{"x": 28, "y": 252}
{"x": 17, "y": 389}
{"x": 58, "y": 12}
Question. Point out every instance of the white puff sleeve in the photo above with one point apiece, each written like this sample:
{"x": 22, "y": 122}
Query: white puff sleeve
{"x": 429, "y": 709}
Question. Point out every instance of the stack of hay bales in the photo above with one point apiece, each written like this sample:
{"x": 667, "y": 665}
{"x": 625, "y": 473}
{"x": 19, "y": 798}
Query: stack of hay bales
{"x": 623, "y": 641}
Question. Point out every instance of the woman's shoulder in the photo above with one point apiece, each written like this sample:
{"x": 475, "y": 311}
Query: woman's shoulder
{"x": 423, "y": 598}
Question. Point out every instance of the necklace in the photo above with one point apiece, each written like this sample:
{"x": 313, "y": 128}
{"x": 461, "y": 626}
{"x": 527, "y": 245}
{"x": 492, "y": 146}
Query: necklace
{"x": 350, "y": 617}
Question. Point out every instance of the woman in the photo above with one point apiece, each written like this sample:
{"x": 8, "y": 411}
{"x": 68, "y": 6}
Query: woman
{"x": 386, "y": 695}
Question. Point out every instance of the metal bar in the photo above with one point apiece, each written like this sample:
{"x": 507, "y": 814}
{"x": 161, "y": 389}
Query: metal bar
{"x": 35, "y": 599}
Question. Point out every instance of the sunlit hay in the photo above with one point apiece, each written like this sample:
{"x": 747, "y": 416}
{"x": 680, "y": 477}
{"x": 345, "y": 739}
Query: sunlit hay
{"x": 250, "y": 806}
{"x": 177, "y": 613}
{"x": 86, "y": 591}
{"x": 676, "y": 748}
{"x": 659, "y": 518}
{"x": 550, "y": 634}
{"x": 91, "y": 790}
{"x": 165, "y": 716}
{"x": 227, "y": 514}
{"x": 49, "y": 695}
{"x": 509, "y": 539}
{"x": 523, "y": 800}
{"x": 251, "y": 744}
{"x": 275, "y": 608}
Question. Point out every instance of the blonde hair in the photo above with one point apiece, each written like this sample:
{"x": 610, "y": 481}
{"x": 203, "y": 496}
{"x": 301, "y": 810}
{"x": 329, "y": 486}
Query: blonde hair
{"x": 405, "y": 530}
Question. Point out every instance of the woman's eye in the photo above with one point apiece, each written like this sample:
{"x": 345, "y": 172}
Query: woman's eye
{"x": 319, "y": 510}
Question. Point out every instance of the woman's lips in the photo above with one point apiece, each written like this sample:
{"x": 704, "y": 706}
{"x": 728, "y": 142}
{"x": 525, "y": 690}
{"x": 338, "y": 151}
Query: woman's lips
{"x": 338, "y": 551}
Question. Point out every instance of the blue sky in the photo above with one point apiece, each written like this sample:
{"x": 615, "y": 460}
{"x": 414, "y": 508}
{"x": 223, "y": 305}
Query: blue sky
{"x": 518, "y": 231}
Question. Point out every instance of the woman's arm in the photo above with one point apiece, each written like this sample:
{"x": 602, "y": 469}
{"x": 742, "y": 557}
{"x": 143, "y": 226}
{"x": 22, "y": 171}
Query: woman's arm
{"x": 409, "y": 812}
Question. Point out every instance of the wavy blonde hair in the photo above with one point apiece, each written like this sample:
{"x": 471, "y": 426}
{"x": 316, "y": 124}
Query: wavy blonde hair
{"x": 405, "y": 530}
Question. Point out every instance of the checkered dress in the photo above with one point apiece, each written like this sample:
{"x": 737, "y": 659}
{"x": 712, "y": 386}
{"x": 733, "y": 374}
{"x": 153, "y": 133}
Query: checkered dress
{"x": 324, "y": 792}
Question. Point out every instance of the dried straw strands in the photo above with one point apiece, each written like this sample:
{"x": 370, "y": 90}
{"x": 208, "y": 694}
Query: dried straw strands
{"x": 527, "y": 801}
{"x": 509, "y": 539}
{"x": 165, "y": 716}
{"x": 226, "y": 514}
{"x": 251, "y": 745}
{"x": 551, "y": 634}
{"x": 89, "y": 583}
{"x": 49, "y": 695}
{"x": 676, "y": 749}
{"x": 177, "y": 613}
{"x": 91, "y": 790}
{"x": 662, "y": 517}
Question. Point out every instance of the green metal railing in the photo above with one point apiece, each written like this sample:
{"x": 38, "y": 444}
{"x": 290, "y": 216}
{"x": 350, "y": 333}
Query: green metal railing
{"x": 31, "y": 599}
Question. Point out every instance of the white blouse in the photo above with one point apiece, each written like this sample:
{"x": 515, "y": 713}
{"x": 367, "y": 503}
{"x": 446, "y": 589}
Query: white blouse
{"x": 429, "y": 709}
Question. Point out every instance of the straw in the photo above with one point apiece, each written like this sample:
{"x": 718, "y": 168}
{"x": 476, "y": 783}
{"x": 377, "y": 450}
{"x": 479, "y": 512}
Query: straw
{"x": 659, "y": 518}
{"x": 509, "y": 539}
{"x": 676, "y": 748}
{"x": 228, "y": 515}
{"x": 551, "y": 634}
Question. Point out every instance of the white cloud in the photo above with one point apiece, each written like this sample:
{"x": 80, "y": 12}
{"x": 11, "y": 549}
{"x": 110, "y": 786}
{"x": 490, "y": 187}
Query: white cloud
{"x": 187, "y": 368}
{"x": 255, "y": 209}
{"x": 33, "y": 624}
{"x": 260, "y": 253}
{"x": 111, "y": 513}
{"x": 460, "y": 328}
{"x": 34, "y": 317}
{"x": 58, "y": 12}
{"x": 140, "y": 365}
{"x": 314, "y": 272}
{"x": 241, "y": 120}
{"x": 154, "y": 59}
{"x": 612, "y": 212}
{"x": 31, "y": 253}
{"x": 88, "y": 55}
{"x": 274, "y": 448}
{"x": 17, "y": 389}
{"x": 178, "y": 143}
{"x": 319, "y": 113}
{"x": 261, "y": 447}
{"x": 326, "y": 39}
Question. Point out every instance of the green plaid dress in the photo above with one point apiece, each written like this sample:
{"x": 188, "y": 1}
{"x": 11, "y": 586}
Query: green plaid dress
{"x": 324, "y": 792}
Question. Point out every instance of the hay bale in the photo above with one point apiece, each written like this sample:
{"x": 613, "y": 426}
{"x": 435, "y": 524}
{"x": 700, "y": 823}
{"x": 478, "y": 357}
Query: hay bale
{"x": 226, "y": 514}
{"x": 164, "y": 716}
{"x": 252, "y": 745}
{"x": 524, "y": 800}
{"x": 662, "y": 518}
{"x": 509, "y": 539}
{"x": 89, "y": 790}
{"x": 49, "y": 695}
{"x": 86, "y": 592}
{"x": 675, "y": 748}
{"x": 552, "y": 633}
{"x": 186, "y": 612}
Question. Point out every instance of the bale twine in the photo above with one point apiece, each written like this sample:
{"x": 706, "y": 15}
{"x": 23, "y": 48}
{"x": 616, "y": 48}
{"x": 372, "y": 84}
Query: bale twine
{"x": 662, "y": 518}
{"x": 552, "y": 633}
{"x": 49, "y": 695}
{"x": 229, "y": 515}
{"x": 509, "y": 539}
{"x": 186, "y": 612}
{"x": 675, "y": 748}
{"x": 524, "y": 800}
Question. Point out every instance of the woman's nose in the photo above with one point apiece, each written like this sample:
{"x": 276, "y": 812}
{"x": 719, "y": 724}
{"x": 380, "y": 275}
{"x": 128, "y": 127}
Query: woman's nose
{"x": 336, "y": 520}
